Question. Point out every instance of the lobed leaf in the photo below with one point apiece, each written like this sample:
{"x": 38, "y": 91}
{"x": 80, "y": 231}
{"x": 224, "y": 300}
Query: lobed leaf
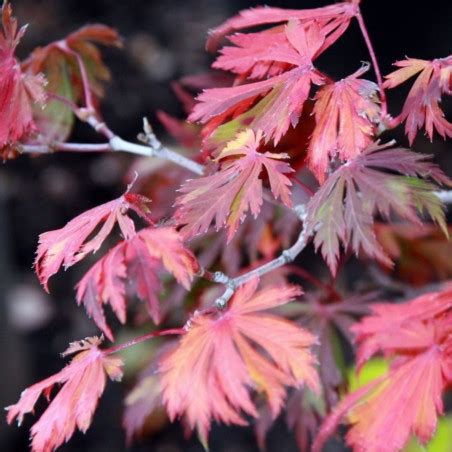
{"x": 333, "y": 18}
{"x": 347, "y": 114}
{"x": 417, "y": 334}
{"x": 18, "y": 90}
{"x": 139, "y": 259}
{"x": 83, "y": 382}
{"x": 225, "y": 196}
{"x": 70, "y": 244}
{"x": 277, "y": 101}
{"x": 422, "y": 107}
{"x": 342, "y": 210}
{"x": 58, "y": 61}
{"x": 225, "y": 354}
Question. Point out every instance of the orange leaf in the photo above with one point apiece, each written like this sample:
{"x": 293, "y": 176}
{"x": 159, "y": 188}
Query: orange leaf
{"x": 226, "y": 354}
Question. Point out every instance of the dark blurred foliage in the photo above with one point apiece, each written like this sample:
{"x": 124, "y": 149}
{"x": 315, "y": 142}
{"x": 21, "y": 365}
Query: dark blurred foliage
{"x": 163, "y": 41}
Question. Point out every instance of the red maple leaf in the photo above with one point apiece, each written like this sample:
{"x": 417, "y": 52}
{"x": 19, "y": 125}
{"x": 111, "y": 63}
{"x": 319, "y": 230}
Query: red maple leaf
{"x": 346, "y": 114}
{"x": 225, "y": 354}
{"x": 343, "y": 209}
{"x": 421, "y": 107}
{"x": 70, "y": 244}
{"x": 280, "y": 99}
{"x": 334, "y": 19}
{"x": 83, "y": 382}
{"x": 18, "y": 90}
{"x": 226, "y": 196}
{"x": 418, "y": 336}
{"x": 140, "y": 257}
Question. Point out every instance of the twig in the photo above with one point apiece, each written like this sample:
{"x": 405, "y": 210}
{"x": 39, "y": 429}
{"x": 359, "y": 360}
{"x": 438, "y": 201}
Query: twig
{"x": 287, "y": 256}
{"x": 445, "y": 196}
{"x": 64, "y": 147}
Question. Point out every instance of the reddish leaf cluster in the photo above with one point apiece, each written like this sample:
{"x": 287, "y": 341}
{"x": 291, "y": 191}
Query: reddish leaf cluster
{"x": 225, "y": 354}
{"x": 417, "y": 335}
{"x": 140, "y": 257}
{"x": 83, "y": 382}
{"x": 18, "y": 89}
{"x": 422, "y": 104}
{"x": 226, "y": 195}
{"x": 337, "y": 213}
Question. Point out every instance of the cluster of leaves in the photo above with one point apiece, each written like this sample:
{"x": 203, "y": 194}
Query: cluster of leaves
{"x": 260, "y": 130}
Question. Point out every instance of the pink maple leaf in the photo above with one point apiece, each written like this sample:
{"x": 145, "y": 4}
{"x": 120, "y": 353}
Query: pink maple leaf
{"x": 225, "y": 354}
{"x": 140, "y": 257}
{"x": 421, "y": 107}
{"x": 70, "y": 244}
{"x": 83, "y": 382}
{"x": 225, "y": 196}
{"x": 280, "y": 98}
{"x": 346, "y": 114}
{"x": 343, "y": 209}
{"x": 334, "y": 19}
{"x": 18, "y": 90}
{"x": 417, "y": 335}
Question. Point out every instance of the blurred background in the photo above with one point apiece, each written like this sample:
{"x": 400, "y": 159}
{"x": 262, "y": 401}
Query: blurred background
{"x": 163, "y": 41}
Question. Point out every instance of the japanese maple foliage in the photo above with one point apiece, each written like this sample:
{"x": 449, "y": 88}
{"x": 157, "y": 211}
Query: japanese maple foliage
{"x": 336, "y": 214}
{"x": 70, "y": 244}
{"x": 140, "y": 257}
{"x": 417, "y": 335}
{"x": 229, "y": 193}
{"x": 18, "y": 90}
{"x": 83, "y": 382}
{"x": 422, "y": 104}
{"x": 208, "y": 376}
{"x": 278, "y": 156}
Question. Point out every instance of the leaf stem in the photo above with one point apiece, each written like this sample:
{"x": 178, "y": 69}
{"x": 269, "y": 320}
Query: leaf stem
{"x": 373, "y": 57}
{"x": 143, "y": 338}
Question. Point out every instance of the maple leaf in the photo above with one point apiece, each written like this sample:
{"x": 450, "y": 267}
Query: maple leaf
{"x": 390, "y": 327}
{"x": 70, "y": 244}
{"x": 346, "y": 115}
{"x": 226, "y": 196}
{"x": 280, "y": 99}
{"x": 140, "y": 257}
{"x": 83, "y": 382}
{"x": 18, "y": 90}
{"x": 209, "y": 375}
{"x": 58, "y": 61}
{"x": 418, "y": 335}
{"x": 333, "y": 18}
{"x": 421, "y": 107}
{"x": 343, "y": 209}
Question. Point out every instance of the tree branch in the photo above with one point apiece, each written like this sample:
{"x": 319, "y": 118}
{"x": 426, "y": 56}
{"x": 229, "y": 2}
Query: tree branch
{"x": 445, "y": 196}
{"x": 287, "y": 256}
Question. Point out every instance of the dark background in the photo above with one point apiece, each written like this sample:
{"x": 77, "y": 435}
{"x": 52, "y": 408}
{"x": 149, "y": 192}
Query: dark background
{"x": 164, "y": 40}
